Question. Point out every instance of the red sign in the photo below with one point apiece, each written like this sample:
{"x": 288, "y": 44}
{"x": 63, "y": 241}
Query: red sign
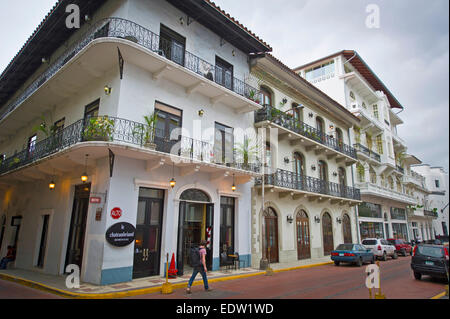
{"x": 95, "y": 200}
{"x": 116, "y": 213}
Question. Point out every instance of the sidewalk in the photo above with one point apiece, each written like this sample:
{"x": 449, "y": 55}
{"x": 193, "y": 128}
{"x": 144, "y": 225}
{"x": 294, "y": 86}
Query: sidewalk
{"x": 57, "y": 284}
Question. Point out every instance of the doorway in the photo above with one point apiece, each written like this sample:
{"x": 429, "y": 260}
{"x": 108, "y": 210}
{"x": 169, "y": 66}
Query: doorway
{"x": 147, "y": 244}
{"x": 327, "y": 232}
{"x": 303, "y": 237}
{"x": 271, "y": 234}
{"x": 195, "y": 223}
{"x": 77, "y": 229}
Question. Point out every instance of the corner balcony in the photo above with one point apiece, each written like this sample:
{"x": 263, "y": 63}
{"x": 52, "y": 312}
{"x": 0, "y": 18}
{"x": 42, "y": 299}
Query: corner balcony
{"x": 299, "y": 186}
{"x": 372, "y": 191}
{"x": 112, "y": 43}
{"x": 65, "y": 150}
{"x": 367, "y": 154}
{"x": 298, "y": 132}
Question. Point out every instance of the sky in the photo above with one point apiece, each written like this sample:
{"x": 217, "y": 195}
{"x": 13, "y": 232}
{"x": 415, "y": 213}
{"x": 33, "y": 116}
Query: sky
{"x": 409, "y": 51}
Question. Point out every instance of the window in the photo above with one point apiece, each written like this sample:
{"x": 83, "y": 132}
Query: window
{"x": 399, "y": 231}
{"x": 436, "y": 182}
{"x": 59, "y": 125}
{"x": 323, "y": 171}
{"x": 369, "y": 210}
{"x": 299, "y": 163}
{"x": 369, "y": 142}
{"x": 43, "y": 243}
{"x": 224, "y": 73}
{"x": 227, "y": 205}
{"x": 91, "y": 110}
{"x": 32, "y": 144}
{"x": 298, "y": 112}
{"x": 319, "y": 71}
{"x": 375, "y": 111}
{"x": 172, "y": 45}
{"x": 379, "y": 140}
{"x": 371, "y": 230}
{"x": 398, "y": 213}
{"x": 266, "y": 95}
{"x": 223, "y": 144}
{"x": 352, "y": 95}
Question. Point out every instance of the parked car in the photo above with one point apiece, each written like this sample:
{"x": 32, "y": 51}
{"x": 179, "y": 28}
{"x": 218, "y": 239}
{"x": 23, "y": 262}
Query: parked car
{"x": 430, "y": 260}
{"x": 352, "y": 253}
{"x": 433, "y": 242}
{"x": 401, "y": 246}
{"x": 381, "y": 248}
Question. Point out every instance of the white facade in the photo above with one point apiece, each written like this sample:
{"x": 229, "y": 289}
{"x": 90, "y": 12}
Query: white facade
{"x": 148, "y": 80}
{"x": 436, "y": 180}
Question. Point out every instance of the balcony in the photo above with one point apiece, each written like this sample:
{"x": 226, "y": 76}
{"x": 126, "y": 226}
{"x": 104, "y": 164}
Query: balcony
{"x": 198, "y": 75}
{"x": 372, "y": 192}
{"x": 367, "y": 153}
{"x": 286, "y": 182}
{"x": 130, "y": 139}
{"x": 297, "y": 131}
{"x": 430, "y": 213}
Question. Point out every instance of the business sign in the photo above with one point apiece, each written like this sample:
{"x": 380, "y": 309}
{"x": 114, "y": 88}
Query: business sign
{"x": 120, "y": 234}
{"x": 116, "y": 213}
{"x": 95, "y": 200}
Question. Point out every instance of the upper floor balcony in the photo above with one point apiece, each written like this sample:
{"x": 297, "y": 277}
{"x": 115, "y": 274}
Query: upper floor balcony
{"x": 415, "y": 179}
{"x": 367, "y": 154}
{"x": 297, "y": 131}
{"x": 369, "y": 123}
{"x": 371, "y": 190}
{"x": 95, "y": 135}
{"x": 159, "y": 56}
{"x": 289, "y": 183}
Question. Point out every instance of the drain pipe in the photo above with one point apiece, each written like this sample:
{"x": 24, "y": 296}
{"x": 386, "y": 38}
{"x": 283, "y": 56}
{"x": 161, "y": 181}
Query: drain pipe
{"x": 356, "y": 207}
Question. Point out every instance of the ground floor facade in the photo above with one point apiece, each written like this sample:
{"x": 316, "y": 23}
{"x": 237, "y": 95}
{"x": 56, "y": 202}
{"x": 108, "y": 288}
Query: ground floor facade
{"x": 381, "y": 218}
{"x": 70, "y": 224}
{"x": 297, "y": 230}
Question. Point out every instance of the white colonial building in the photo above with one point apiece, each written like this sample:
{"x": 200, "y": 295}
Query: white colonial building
{"x": 382, "y": 173}
{"x": 307, "y": 190}
{"x": 436, "y": 180}
{"x": 76, "y": 106}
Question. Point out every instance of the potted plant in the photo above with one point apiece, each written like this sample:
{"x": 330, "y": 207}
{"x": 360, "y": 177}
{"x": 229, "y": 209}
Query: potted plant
{"x": 99, "y": 129}
{"x": 246, "y": 150}
{"x": 150, "y": 129}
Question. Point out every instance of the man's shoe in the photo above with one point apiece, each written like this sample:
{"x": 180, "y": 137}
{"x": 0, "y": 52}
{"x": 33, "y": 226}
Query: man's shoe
{"x": 209, "y": 289}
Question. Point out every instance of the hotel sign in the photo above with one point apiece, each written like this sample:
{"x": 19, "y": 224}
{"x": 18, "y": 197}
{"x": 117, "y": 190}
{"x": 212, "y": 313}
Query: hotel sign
{"x": 120, "y": 234}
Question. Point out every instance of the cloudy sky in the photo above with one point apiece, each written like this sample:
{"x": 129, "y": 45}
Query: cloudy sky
{"x": 409, "y": 51}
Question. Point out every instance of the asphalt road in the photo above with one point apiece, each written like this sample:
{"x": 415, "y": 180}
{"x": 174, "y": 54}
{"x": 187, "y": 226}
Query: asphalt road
{"x": 322, "y": 282}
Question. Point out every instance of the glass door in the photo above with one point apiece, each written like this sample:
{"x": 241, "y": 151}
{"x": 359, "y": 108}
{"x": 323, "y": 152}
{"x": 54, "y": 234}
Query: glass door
{"x": 224, "y": 73}
{"x": 223, "y": 144}
{"x": 168, "y": 120}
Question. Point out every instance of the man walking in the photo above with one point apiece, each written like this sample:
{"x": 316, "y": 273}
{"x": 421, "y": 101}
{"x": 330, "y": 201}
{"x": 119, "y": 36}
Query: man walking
{"x": 198, "y": 260}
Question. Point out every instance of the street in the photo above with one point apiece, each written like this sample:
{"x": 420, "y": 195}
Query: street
{"x": 323, "y": 282}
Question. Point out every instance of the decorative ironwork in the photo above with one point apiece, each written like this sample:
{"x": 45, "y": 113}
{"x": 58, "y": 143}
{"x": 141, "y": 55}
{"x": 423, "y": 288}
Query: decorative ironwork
{"x": 288, "y": 121}
{"x": 369, "y": 153}
{"x": 118, "y": 130}
{"x": 291, "y": 180}
{"x": 128, "y": 30}
{"x": 121, "y": 63}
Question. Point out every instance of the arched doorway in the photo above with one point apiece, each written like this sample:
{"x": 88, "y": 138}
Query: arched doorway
{"x": 195, "y": 223}
{"x": 271, "y": 234}
{"x": 303, "y": 236}
{"x": 347, "y": 229}
{"x": 327, "y": 233}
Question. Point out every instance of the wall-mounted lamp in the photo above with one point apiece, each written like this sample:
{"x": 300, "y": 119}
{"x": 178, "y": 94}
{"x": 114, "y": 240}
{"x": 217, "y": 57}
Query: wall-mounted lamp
{"x": 201, "y": 112}
{"x": 335, "y": 174}
{"x": 338, "y": 220}
{"x": 52, "y": 185}
{"x": 286, "y": 160}
{"x": 310, "y": 114}
{"x": 84, "y": 177}
{"x": 284, "y": 100}
{"x": 233, "y": 52}
{"x": 87, "y": 17}
{"x": 313, "y": 167}
{"x": 108, "y": 90}
{"x": 172, "y": 181}
{"x": 44, "y": 60}
{"x": 331, "y": 127}
{"x": 233, "y": 187}
{"x": 181, "y": 21}
{"x": 317, "y": 219}
{"x": 289, "y": 219}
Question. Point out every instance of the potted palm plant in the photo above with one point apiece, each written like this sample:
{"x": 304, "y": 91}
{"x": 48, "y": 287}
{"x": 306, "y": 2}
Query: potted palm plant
{"x": 149, "y": 130}
{"x": 246, "y": 150}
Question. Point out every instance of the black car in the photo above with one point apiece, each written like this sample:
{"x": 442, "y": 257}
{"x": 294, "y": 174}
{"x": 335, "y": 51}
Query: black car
{"x": 430, "y": 260}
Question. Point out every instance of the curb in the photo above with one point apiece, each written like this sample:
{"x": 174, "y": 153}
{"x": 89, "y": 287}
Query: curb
{"x": 137, "y": 292}
{"x": 442, "y": 294}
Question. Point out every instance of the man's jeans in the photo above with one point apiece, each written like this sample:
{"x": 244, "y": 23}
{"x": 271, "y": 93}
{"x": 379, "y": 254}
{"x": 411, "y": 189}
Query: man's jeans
{"x": 194, "y": 274}
{"x": 5, "y": 262}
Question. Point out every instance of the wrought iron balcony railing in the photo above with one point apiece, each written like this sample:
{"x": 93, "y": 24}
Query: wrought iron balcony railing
{"x": 430, "y": 213}
{"x": 128, "y": 30}
{"x": 287, "y": 121}
{"x": 361, "y": 148}
{"x": 291, "y": 180}
{"x": 112, "y": 129}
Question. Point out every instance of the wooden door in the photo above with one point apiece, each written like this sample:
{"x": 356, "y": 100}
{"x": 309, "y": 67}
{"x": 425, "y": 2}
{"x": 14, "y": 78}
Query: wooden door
{"x": 303, "y": 236}
{"x": 327, "y": 232}
{"x": 347, "y": 229}
{"x": 271, "y": 238}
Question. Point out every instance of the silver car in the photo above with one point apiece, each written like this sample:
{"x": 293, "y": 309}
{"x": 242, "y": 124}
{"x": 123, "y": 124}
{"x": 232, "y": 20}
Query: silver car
{"x": 381, "y": 248}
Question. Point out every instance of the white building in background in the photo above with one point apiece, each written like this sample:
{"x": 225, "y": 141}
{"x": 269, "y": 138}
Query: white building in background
{"x": 382, "y": 171}
{"x": 436, "y": 179}
{"x": 184, "y": 61}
